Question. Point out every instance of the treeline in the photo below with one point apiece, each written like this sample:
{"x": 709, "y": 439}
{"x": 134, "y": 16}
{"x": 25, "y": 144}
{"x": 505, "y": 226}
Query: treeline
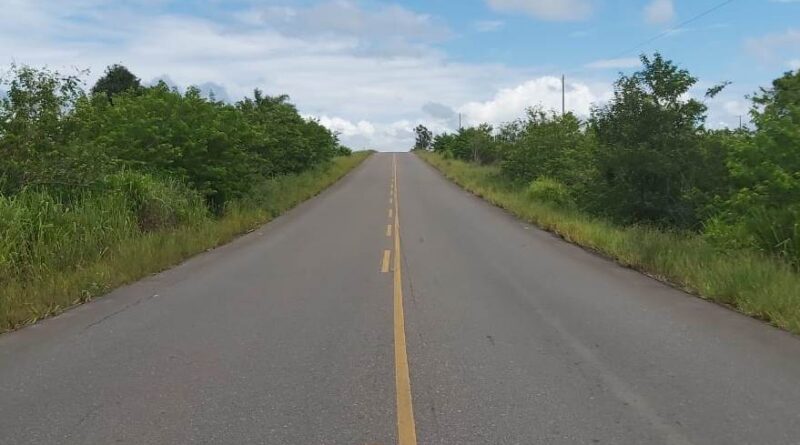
{"x": 647, "y": 158}
{"x": 82, "y": 171}
{"x": 53, "y": 134}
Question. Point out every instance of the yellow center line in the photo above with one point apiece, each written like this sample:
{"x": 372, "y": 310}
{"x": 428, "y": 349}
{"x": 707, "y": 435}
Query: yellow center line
{"x": 389, "y": 230}
{"x": 406, "y": 431}
{"x": 385, "y": 262}
{"x": 390, "y": 213}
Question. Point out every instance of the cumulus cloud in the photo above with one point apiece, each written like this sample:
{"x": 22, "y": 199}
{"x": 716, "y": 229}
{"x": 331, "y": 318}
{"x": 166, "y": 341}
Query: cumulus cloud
{"x": 325, "y": 73}
{"x": 392, "y": 136}
{"x": 385, "y": 29}
{"x": 373, "y": 98}
{"x": 728, "y": 115}
{"x": 626, "y": 62}
{"x": 659, "y": 11}
{"x": 735, "y": 107}
{"x": 511, "y": 103}
{"x": 776, "y": 46}
{"x": 556, "y": 10}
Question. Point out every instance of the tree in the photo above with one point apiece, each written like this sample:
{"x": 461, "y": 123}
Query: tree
{"x": 442, "y": 143}
{"x": 649, "y": 153}
{"x": 479, "y": 143}
{"x": 36, "y": 131}
{"x": 424, "y": 137}
{"x": 117, "y": 79}
{"x": 765, "y": 211}
{"x": 282, "y": 139}
{"x": 541, "y": 145}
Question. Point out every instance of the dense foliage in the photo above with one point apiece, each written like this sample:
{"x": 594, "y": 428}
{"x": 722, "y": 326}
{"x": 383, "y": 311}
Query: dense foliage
{"x": 53, "y": 134}
{"x": 79, "y": 172}
{"x": 646, "y": 158}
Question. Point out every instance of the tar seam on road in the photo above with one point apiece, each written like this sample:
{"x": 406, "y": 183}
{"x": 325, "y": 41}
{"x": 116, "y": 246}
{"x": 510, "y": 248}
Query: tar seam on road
{"x": 406, "y": 431}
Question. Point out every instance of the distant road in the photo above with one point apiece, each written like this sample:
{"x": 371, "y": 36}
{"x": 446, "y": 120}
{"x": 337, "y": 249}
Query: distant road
{"x": 312, "y": 330}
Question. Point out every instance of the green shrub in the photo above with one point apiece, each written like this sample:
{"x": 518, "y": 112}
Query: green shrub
{"x": 40, "y": 231}
{"x": 770, "y": 230}
{"x": 157, "y": 203}
{"x": 550, "y": 191}
{"x": 56, "y": 252}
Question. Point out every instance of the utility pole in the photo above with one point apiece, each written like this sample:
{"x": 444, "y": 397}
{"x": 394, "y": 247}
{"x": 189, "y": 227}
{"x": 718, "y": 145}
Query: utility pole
{"x": 740, "y": 121}
{"x": 459, "y": 121}
{"x": 563, "y": 94}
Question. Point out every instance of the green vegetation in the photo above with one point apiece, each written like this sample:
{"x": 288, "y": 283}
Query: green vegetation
{"x": 716, "y": 212}
{"x": 753, "y": 283}
{"x": 100, "y": 189}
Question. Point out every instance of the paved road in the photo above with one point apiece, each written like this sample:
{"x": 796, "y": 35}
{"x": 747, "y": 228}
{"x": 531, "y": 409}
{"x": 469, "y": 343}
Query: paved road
{"x": 293, "y": 335}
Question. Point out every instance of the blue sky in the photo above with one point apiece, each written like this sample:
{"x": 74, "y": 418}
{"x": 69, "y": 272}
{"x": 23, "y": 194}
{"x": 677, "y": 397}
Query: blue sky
{"x": 373, "y": 70}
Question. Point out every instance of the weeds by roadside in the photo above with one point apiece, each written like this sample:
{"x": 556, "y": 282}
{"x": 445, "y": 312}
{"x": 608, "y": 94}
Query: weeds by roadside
{"x": 752, "y": 283}
{"x": 62, "y": 254}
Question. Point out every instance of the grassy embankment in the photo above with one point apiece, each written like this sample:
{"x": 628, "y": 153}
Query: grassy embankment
{"x": 751, "y": 283}
{"x": 55, "y": 254}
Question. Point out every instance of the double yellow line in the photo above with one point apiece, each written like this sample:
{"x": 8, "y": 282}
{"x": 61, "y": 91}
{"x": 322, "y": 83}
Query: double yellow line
{"x": 406, "y": 431}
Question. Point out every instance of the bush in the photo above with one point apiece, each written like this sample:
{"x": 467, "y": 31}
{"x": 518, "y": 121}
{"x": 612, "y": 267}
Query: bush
{"x": 41, "y": 231}
{"x": 769, "y": 230}
{"x": 550, "y": 191}
{"x": 649, "y": 147}
{"x": 157, "y": 204}
{"x": 765, "y": 210}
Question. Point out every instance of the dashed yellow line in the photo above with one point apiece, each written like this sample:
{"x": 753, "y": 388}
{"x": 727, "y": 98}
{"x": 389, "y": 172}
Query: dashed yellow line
{"x": 390, "y": 213}
{"x": 389, "y": 230}
{"x": 406, "y": 431}
{"x": 385, "y": 262}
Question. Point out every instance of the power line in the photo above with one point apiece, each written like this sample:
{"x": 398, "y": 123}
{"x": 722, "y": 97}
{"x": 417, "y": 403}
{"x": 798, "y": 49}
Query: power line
{"x": 673, "y": 29}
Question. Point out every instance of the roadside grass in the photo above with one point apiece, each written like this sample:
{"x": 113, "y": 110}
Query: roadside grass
{"x": 78, "y": 253}
{"x": 752, "y": 283}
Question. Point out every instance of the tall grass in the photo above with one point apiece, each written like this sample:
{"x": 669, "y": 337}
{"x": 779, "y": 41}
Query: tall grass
{"x": 57, "y": 252}
{"x": 754, "y": 284}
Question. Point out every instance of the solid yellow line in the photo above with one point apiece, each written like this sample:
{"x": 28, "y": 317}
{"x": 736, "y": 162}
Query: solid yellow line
{"x": 406, "y": 431}
{"x": 385, "y": 262}
{"x": 389, "y": 230}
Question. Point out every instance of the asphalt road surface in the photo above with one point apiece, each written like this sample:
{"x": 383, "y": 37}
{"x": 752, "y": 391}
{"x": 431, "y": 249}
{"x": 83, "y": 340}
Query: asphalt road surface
{"x": 483, "y": 330}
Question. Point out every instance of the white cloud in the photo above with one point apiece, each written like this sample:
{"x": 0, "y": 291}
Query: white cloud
{"x": 373, "y": 97}
{"x": 557, "y": 10}
{"x": 626, "y": 62}
{"x": 794, "y": 64}
{"x": 392, "y": 136}
{"x": 488, "y": 25}
{"x": 775, "y": 46}
{"x": 385, "y": 29}
{"x": 347, "y": 128}
{"x": 735, "y": 107}
{"x": 511, "y": 103}
{"x": 373, "y": 90}
{"x": 659, "y": 11}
